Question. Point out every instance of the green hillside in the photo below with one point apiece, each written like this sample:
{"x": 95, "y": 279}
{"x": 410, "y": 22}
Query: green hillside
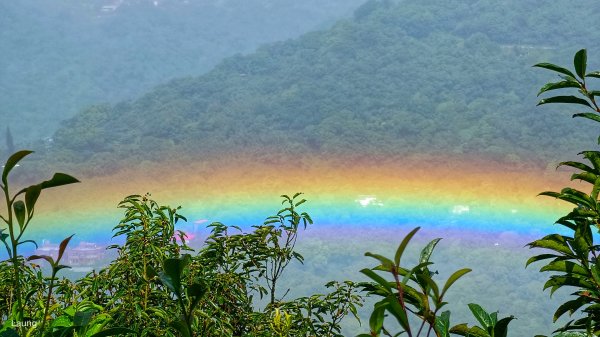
{"x": 61, "y": 56}
{"x": 399, "y": 78}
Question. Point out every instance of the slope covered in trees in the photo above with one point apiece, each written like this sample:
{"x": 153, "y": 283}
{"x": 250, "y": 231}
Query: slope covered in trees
{"x": 399, "y": 78}
{"x": 60, "y": 56}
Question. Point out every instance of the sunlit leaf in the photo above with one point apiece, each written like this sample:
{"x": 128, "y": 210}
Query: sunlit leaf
{"x": 428, "y": 250}
{"x": 481, "y": 315}
{"x": 442, "y": 324}
{"x": 589, "y": 115}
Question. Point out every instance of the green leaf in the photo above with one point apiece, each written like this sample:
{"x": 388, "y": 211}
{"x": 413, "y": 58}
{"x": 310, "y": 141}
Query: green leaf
{"x": 386, "y": 263}
{"x": 9, "y": 333}
{"x": 62, "y": 247}
{"x": 173, "y": 270}
{"x": 559, "y": 85}
{"x": 464, "y": 330}
{"x": 181, "y": 326}
{"x": 453, "y": 278}
{"x": 589, "y": 115}
{"x": 113, "y": 332}
{"x": 570, "y": 307}
{"x": 578, "y": 165}
{"x": 565, "y": 99}
{"x": 501, "y": 328}
{"x": 19, "y": 207}
{"x": 377, "y": 278}
{"x": 403, "y": 245}
{"x": 556, "y": 68}
{"x": 32, "y": 194}
{"x": 442, "y": 324}
{"x": 481, "y": 315}
{"x": 82, "y": 318}
{"x": 555, "y": 282}
{"x": 565, "y": 267}
{"x": 580, "y": 62}
{"x": 12, "y": 162}
{"x": 394, "y": 308}
{"x": 593, "y": 74}
{"x": 553, "y": 242}
{"x": 376, "y": 319}
{"x": 428, "y": 250}
{"x": 540, "y": 258}
{"x": 59, "y": 179}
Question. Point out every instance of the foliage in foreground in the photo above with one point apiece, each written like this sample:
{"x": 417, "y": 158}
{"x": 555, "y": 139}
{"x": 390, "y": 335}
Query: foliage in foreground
{"x": 574, "y": 257}
{"x": 157, "y": 287}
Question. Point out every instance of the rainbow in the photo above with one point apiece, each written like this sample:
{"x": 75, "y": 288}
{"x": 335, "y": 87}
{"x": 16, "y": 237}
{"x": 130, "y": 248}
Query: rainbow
{"x": 452, "y": 196}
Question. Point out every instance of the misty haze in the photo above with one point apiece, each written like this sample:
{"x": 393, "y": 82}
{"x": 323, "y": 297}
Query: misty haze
{"x": 299, "y": 168}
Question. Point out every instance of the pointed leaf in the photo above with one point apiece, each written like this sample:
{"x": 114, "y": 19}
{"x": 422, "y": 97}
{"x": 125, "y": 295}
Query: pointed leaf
{"x": 442, "y": 324}
{"x": 397, "y": 311}
{"x": 62, "y": 247}
{"x": 481, "y": 315}
{"x": 377, "y": 278}
{"x": 580, "y": 62}
{"x": 565, "y": 99}
{"x": 19, "y": 208}
{"x": 376, "y": 319}
{"x": 501, "y": 328}
{"x": 59, "y": 179}
{"x": 464, "y": 330}
{"x": 45, "y": 257}
{"x": 553, "y": 242}
{"x": 453, "y": 278}
{"x": 12, "y": 162}
{"x": 428, "y": 250}
{"x": 577, "y": 165}
{"x": 593, "y": 74}
{"x": 568, "y": 267}
{"x": 540, "y": 258}
{"x": 403, "y": 245}
{"x": 559, "y": 85}
{"x": 32, "y": 194}
{"x": 570, "y": 306}
{"x": 28, "y": 241}
{"x": 556, "y": 68}
{"x": 589, "y": 115}
{"x": 386, "y": 263}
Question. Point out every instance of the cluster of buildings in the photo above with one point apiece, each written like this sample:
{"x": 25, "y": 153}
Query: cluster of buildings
{"x": 86, "y": 254}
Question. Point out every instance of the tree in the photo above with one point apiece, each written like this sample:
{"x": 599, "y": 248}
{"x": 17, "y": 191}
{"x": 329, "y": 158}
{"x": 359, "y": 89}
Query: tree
{"x": 10, "y": 145}
{"x": 574, "y": 257}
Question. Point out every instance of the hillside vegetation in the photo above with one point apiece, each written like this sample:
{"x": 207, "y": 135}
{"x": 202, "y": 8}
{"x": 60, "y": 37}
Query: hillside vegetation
{"x": 61, "y": 56}
{"x": 399, "y": 78}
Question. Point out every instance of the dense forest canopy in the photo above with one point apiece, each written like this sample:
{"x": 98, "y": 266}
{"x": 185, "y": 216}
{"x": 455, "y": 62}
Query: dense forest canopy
{"x": 60, "y": 56}
{"x": 398, "y": 78}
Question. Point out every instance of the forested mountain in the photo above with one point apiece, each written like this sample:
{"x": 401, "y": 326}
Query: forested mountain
{"x": 61, "y": 56}
{"x": 399, "y": 78}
